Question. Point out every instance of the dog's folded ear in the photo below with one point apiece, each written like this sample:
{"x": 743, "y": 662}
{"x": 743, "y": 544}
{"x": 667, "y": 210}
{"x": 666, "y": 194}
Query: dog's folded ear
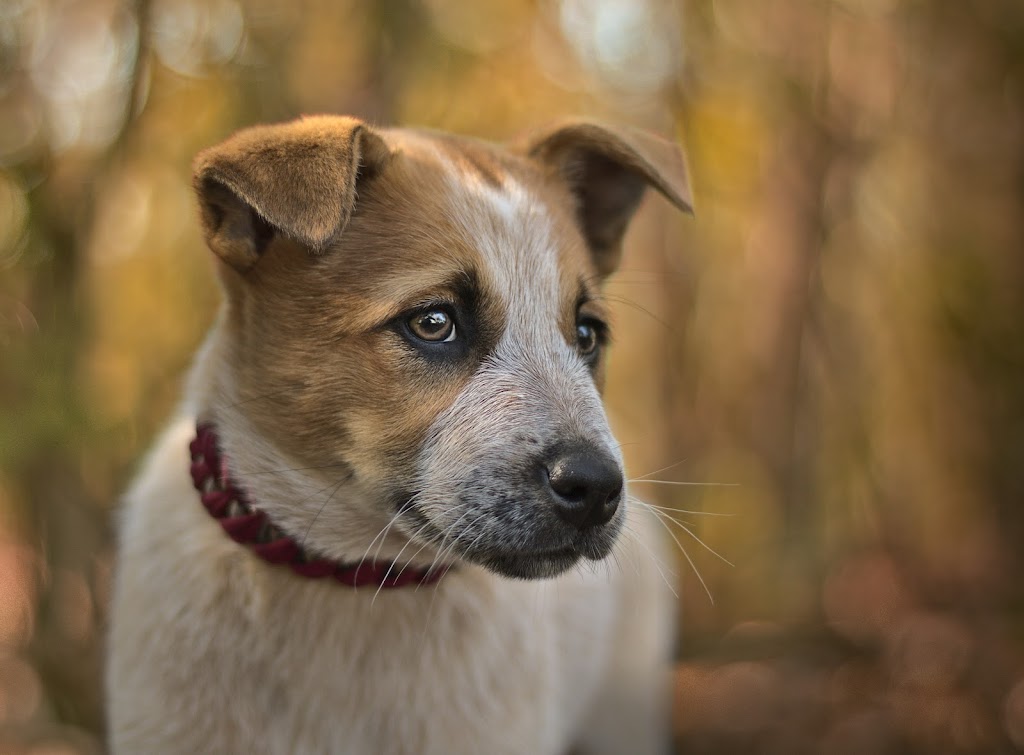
{"x": 297, "y": 179}
{"x": 608, "y": 169}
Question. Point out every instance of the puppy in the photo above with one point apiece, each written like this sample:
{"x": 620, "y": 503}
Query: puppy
{"x": 390, "y": 516}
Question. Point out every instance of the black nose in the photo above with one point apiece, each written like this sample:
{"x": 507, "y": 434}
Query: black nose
{"x": 586, "y": 486}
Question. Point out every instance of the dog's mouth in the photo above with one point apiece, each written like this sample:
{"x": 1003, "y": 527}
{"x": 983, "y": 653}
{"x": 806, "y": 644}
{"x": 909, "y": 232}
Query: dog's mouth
{"x": 546, "y": 554}
{"x": 541, "y": 563}
{"x": 527, "y": 565}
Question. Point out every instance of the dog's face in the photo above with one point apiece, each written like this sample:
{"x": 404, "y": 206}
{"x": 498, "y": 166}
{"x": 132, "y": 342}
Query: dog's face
{"x": 415, "y": 328}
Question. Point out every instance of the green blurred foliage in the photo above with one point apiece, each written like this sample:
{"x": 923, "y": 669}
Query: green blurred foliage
{"x": 838, "y": 335}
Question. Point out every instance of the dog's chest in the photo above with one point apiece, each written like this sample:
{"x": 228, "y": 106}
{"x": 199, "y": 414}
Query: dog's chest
{"x": 475, "y": 671}
{"x": 259, "y": 660}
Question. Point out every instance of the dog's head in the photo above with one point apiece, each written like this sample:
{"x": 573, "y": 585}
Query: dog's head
{"x": 414, "y": 332}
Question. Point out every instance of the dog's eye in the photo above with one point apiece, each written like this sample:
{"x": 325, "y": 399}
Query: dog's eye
{"x": 435, "y": 325}
{"x": 587, "y": 338}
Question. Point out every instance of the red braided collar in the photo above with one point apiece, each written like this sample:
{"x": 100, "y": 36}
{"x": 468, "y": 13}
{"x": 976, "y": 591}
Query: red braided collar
{"x": 248, "y": 526}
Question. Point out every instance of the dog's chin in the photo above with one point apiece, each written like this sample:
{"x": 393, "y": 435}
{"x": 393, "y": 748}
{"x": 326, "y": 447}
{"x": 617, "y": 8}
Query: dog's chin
{"x": 542, "y": 563}
{"x": 528, "y": 565}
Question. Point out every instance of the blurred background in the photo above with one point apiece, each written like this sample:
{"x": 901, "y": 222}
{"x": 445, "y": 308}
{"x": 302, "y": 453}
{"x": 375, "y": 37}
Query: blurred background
{"x": 838, "y": 334}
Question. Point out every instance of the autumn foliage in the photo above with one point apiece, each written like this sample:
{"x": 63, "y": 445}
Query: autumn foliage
{"x": 835, "y": 341}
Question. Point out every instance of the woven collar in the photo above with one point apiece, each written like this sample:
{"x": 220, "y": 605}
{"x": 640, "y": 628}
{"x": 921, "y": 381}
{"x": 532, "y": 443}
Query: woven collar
{"x": 251, "y": 527}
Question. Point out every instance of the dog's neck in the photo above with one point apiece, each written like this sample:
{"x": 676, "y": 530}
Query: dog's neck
{"x": 248, "y": 526}
{"x": 320, "y": 506}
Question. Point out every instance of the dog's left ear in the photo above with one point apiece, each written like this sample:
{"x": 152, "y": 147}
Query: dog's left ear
{"x": 297, "y": 179}
{"x": 608, "y": 169}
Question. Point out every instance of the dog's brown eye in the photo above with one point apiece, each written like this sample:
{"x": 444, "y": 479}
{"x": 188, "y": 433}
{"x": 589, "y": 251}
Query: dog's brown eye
{"x": 435, "y": 325}
{"x": 587, "y": 339}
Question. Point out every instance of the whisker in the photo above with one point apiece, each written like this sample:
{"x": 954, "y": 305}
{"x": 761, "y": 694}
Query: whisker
{"x": 263, "y": 396}
{"x": 690, "y": 484}
{"x": 476, "y": 540}
{"x": 334, "y": 489}
{"x": 433, "y": 597}
{"x": 383, "y": 535}
{"x": 688, "y": 512}
{"x": 442, "y": 551}
{"x": 608, "y": 565}
{"x": 659, "y": 274}
{"x": 706, "y": 547}
{"x": 391, "y": 567}
{"x": 409, "y": 561}
{"x": 296, "y": 469}
{"x": 405, "y": 507}
{"x": 469, "y": 528}
{"x": 685, "y": 526}
{"x": 685, "y": 555}
{"x": 655, "y": 560}
{"x": 659, "y": 471}
{"x": 633, "y": 558}
{"x": 629, "y": 303}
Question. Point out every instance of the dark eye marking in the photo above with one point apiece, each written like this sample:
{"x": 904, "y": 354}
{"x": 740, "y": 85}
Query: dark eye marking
{"x": 446, "y": 324}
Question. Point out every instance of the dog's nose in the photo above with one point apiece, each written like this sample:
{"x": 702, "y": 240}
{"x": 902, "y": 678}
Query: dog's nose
{"x": 586, "y": 487}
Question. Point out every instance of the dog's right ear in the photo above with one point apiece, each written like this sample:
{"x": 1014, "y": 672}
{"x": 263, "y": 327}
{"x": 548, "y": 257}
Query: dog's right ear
{"x": 297, "y": 179}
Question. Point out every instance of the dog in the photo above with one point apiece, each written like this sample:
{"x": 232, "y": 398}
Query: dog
{"x": 390, "y": 515}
